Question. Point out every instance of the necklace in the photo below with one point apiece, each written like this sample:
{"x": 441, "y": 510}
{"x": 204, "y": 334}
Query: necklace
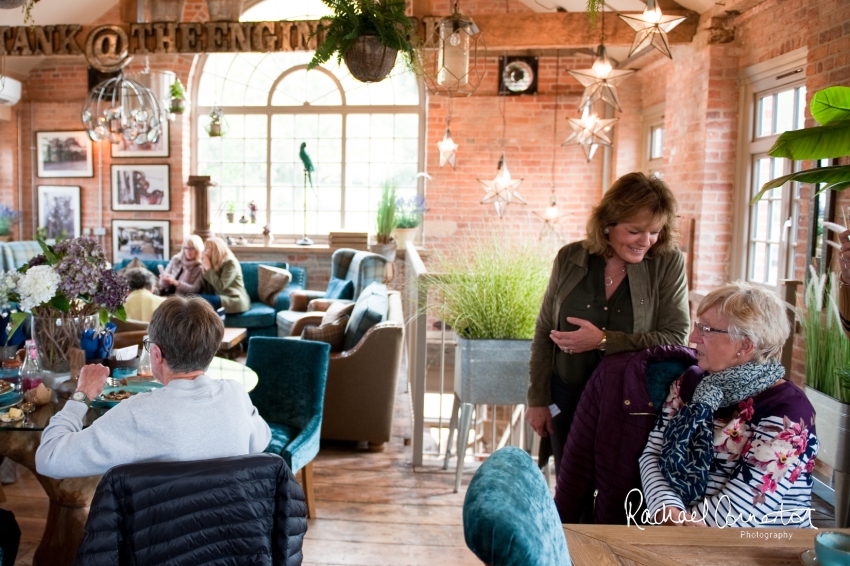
{"x": 610, "y": 280}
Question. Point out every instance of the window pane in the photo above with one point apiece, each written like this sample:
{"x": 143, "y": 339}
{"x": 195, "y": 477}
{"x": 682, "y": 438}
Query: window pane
{"x": 765, "y": 116}
{"x": 785, "y": 111}
{"x": 801, "y": 108}
{"x": 656, "y": 142}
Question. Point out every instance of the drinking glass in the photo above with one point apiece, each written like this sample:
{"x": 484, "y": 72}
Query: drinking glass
{"x": 27, "y": 408}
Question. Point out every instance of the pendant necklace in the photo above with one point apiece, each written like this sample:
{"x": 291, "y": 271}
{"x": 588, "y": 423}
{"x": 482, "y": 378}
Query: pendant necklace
{"x": 609, "y": 280}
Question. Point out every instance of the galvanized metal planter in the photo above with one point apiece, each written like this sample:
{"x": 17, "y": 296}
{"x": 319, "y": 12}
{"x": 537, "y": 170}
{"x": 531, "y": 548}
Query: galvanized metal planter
{"x": 833, "y": 431}
{"x": 493, "y": 372}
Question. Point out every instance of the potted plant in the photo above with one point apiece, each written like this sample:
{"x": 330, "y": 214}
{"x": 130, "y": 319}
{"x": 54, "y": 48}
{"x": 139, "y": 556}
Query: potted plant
{"x": 409, "y": 212}
{"x": 216, "y": 125}
{"x": 385, "y": 223}
{"x": 827, "y": 369}
{"x": 7, "y": 219}
{"x": 178, "y": 98}
{"x": 231, "y": 210}
{"x": 367, "y": 35}
{"x": 69, "y": 288}
{"x": 489, "y": 290}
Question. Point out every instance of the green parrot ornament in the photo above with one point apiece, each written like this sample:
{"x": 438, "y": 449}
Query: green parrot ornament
{"x": 308, "y": 163}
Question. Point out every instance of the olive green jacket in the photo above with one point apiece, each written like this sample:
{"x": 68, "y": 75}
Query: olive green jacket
{"x": 659, "y": 292}
{"x": 228, "y": 284}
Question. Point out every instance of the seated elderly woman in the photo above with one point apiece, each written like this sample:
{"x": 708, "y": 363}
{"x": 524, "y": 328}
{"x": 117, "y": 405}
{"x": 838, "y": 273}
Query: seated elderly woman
{"x": 141, "y": 302}
{"x": 223, "y": 285}
{"x": 739, "y": 451}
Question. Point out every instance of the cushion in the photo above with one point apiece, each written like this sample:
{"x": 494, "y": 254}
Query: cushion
{"x": 258, "y": 316}
{"x": 332, "y": 333}
{"x": 340, "y": 289}
{"x": 336, "y": 311}
{"x": 272, "y": 280}
{"x": 509, "y": 516}
{"x": 370, "y": 309}
{"x": 134, "y": 263}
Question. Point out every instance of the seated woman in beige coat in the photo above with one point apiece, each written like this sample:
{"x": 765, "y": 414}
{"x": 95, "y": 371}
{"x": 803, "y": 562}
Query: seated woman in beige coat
{"x": 223, "y": 285}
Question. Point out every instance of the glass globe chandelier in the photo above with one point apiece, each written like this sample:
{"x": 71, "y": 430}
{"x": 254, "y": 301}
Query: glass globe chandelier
{"x": 122, "y": 109}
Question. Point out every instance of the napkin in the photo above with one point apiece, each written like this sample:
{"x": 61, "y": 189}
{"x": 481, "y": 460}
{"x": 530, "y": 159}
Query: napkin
{"x": 128, "y": 353}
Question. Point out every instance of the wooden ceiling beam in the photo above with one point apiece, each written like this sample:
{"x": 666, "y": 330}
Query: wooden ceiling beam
{"x": 559, "y": 30}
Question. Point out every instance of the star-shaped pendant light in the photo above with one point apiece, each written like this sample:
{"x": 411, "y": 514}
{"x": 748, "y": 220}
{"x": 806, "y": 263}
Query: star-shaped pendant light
{"x": 448, "y": 149}
{"x": 651, "y": 27}
{"x": 550, "y": 218}
{"x": 589, "y": 132}
{"x": 502, "y": 190}
{"x": 601, "y": 80}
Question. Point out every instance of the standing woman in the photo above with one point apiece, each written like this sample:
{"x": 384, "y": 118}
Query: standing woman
{"x": 183, "y": 273}
{"x": 622, "y": 289}
{"x": 223, "y": 283}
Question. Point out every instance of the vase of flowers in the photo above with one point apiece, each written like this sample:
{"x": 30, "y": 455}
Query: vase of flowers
{"x": 69, "y": 289}
{"x": 385, "y": 223}
{"x": 409, "y": 212}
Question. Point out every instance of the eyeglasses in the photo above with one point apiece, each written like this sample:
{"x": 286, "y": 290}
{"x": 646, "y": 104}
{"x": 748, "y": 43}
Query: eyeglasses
{"x": 703, "y": 329}
{"x": 146, "y": 344}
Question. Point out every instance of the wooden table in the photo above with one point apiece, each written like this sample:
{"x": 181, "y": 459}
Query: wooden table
{"x": 610, "y": 545}
{"x": 70, "y": 498}
{"x": 233, "y": 337}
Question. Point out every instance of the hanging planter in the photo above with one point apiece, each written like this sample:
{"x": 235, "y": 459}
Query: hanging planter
{"x": 367, "y": 35}
{"x": 167, "y": 10}
{"x": 11, "y": 4}
{"x": 225, "y": 10}
{"x": 368, "y": 61}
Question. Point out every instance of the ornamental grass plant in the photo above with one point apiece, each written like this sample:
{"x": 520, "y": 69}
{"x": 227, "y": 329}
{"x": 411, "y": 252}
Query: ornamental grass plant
{"x": 827, "y": 347}
{"x": 490, "y": 287}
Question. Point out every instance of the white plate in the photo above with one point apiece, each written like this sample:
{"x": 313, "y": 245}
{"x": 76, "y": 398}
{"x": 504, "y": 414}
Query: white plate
{"x": 809, "y": 559}
{"x": 4, "y": 417}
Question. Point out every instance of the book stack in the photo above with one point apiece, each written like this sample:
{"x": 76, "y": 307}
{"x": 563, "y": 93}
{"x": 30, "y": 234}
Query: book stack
{"x": 354, "y": 240}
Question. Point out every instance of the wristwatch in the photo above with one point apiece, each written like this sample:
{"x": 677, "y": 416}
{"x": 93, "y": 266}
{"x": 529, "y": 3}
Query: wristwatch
{"x": 81, "y": 397}
{"x": 603, "y": 342}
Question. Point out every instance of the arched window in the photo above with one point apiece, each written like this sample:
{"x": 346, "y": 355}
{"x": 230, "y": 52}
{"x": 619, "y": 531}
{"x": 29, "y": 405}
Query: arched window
{"x": 358, "y": 136}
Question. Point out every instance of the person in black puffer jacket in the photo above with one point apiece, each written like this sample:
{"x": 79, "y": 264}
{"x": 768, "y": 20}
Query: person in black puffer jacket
{"x": 234, "y": 511}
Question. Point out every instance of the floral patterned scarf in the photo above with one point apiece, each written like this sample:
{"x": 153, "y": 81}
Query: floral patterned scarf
{"x": 689, "y": 438}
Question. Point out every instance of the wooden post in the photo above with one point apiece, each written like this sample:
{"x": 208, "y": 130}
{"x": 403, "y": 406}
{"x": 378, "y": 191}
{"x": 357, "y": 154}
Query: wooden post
{"x": 307, "y": 485}
{"x": 201, "y": 205}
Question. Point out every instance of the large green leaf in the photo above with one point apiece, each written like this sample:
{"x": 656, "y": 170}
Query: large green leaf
{"x": 821, "y": 142}
{"x": 831, "y": 105}
{"x": 836, "y": 178}
{"x": 17, "y": 319}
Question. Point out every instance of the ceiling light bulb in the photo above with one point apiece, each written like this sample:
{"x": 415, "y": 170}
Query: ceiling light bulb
{"x": 454, "y": 39}
{"x": 652, "y": 15}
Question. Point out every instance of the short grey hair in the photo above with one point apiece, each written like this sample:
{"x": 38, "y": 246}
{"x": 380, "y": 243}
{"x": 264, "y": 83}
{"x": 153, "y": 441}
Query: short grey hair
{"x": 139, "y": 278}
{"x": 188, "y": 332}
{"x": 752, "y": 312}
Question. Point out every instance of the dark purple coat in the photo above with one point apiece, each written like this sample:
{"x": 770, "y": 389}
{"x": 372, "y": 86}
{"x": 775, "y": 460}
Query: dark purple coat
{"x": 609, "y": 432}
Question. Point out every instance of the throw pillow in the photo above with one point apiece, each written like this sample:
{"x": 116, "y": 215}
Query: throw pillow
{"x": 370, "y": 309}
{"x": 340, "y": 289}
{"x": 336, "y": 311}
{"x": 134, "y": 263}
{"x": 333, "y": 333}
{"x": 272, "y": 280}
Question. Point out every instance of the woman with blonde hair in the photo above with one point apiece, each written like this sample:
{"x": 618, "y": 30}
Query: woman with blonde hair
{"x": 183, "y": 274}
{"x": 223, "y": 284}
{"x": 623, "y": 288}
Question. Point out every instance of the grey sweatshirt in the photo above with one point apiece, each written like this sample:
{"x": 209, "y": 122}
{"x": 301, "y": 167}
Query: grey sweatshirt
{"x": 186, "y": 420}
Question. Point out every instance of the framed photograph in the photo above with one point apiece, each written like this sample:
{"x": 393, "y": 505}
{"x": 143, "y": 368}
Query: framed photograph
{"x": 59, "y": 211}
{"x": 140, "y": 187}
{"x": 144, "y": 239}
{"x": 64, "y": 154}
{"x": 132, "y": 149}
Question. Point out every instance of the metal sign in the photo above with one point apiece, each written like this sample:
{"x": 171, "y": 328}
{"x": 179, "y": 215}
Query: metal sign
{"x": 110, "y": 47}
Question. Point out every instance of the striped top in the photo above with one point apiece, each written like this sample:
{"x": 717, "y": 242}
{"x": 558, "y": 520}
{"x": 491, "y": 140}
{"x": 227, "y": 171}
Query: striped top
{"x": 761, "y": 473}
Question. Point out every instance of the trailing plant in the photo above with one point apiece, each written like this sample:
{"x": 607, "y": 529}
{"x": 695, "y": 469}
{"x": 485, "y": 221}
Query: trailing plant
{"x": 593, "y": 8}
{"x": 827, "y": 347}
{"x": 831, "y": 108}
{"x": 386, "y": 220}
{"x": 490, "y": 287}
{"x": 409, "y": 211}
{"x": 353, "y": 18}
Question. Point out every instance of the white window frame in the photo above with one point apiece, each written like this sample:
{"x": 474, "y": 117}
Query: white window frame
{"x": 198, "y": 113}
{"x": 780, "y": 73}
{"x": 651, "y": 118}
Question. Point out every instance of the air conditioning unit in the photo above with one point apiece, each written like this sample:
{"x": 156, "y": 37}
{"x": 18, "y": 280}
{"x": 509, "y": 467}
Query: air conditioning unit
{"x": 10, "y": 91}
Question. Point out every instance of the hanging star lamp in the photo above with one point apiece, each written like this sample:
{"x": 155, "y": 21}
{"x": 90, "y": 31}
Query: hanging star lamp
{"x": 456, "y": 66}
{"x": 502, "y": 190}
{"x": 448, "y": 149}
{"x": 601, "y": 80}
{"x": 651, "y": 28}
{"x": 589, "y": 132}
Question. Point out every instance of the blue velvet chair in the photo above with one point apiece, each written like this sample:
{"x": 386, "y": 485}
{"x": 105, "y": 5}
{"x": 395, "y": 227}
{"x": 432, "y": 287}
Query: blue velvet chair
{"x": 509, "y": 515}
{"x": 260, "y": 318}
{"x": 290, "y": 396}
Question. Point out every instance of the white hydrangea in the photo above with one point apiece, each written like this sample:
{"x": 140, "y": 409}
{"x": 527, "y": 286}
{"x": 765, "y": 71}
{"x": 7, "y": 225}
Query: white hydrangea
{"x": 38, "y": 286}
{"x": 8, "y": 282}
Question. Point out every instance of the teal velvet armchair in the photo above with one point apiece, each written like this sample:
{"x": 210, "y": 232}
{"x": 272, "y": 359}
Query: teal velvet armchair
{"x": 509, "y": 515}
{"x": 290, "y": 396}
